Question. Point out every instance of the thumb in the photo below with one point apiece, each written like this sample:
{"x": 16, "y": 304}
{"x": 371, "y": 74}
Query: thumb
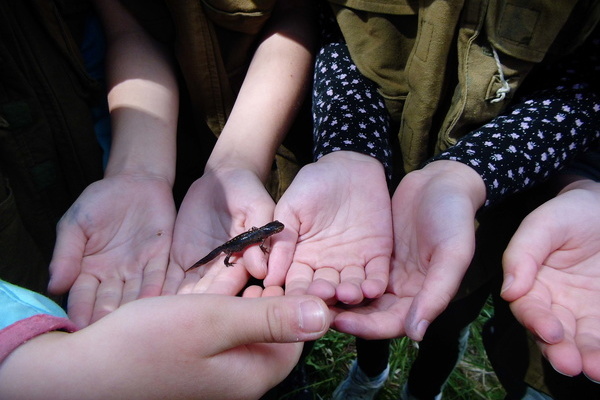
{"x": 439, "y": 287}
{"x": 524, "y": 255}
{"x": 284, "y": 319}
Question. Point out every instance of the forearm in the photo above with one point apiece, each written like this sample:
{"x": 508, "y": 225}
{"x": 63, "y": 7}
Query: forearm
{"x": 142, "y": 95}
{"x": 110, "y": 358}
{"x": 180, "y": 347}
{"x": 70, "y": 366}
{"x": 272, "y": 92}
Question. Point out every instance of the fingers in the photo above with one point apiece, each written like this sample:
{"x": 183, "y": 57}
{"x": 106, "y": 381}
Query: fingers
{"x": 349, "y": 289}
{"x": 570, "y": 345}
{"x": 325, "y": 283}
{"x": 563, "y": 356}
{"x": 377, "y": 275}
{"x": 579, "y": 349}
{"x": 147, "y": 283}
{"x": 173, "y": 278}
{"x": 587, "y": 340}
{"x": 300, "y": 278}
{"x": 270, "y": 319}
{"x": 438, "y": 289}
{"x": 382, "y": 319}
{"x": 282, "y": 251}
{"x": 108, "y": 297}
{"x": 92, "y": 298}
{"x": 254, "y": 259}
{"x": 537, "y": 315}
{"x": 152, "y": 281}
{"x": 216, "y": 279}
{"x": 255, "y": 291}
{"x": 346, "y": 286}
{"x": 65, "y": 265}
{"x": 82, "y": 299}
{"x": 555, "y": 330}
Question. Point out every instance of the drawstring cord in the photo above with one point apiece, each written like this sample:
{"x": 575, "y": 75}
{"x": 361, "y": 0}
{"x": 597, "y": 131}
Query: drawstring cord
{"x": 505, "y": 89}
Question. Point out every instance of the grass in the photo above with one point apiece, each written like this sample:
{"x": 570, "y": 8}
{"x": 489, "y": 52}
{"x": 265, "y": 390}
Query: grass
{"x": 472, "y": 379}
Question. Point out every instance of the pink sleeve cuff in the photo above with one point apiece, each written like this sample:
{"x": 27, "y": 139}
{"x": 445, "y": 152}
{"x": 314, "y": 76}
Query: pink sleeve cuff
{"x": 21, "y": 331}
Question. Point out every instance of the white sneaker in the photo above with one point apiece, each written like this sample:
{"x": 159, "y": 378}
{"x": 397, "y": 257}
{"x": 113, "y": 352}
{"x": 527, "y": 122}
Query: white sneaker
{"x": 358, "y": 386}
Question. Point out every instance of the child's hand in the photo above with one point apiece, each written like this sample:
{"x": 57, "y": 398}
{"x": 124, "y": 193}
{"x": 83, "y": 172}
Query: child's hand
{"x": 184, "y": 346}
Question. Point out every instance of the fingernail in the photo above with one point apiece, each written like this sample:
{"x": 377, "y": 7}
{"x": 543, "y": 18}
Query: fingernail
{"x": 421, "y": 328}
{"x": 508, "y": 281}
{"x": 560, "y": 372}
{"x": 312, "y": 317}
{"x": 595, "y": 381}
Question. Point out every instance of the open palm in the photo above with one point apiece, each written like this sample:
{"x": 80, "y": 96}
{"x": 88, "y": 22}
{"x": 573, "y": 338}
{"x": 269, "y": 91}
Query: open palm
{"x": 113, "y": 245}
{"x": 338, "y": 236}
{"x": 552, "y": 278}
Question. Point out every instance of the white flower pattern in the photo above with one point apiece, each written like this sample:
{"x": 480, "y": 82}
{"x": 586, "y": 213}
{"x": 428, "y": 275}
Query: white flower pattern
{"x": 540, "y": 134}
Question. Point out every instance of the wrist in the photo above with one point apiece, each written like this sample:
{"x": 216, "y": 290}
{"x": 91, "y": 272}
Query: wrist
{"x": 351, "y": 157}
{"x": 579, "y": 182}
{"x": 225, "y": 158}
{"x": 460, "y": 177}
{"x": 232, "y": 166}
{"x": 140, "y": 172}
{"x": 151, "y": 153}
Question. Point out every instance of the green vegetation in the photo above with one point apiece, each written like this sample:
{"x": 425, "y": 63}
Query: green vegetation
{"x": 473, "y": 379}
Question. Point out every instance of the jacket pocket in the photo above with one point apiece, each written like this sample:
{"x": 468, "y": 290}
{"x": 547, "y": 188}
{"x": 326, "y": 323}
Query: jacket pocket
{"x": 526, "y": 29}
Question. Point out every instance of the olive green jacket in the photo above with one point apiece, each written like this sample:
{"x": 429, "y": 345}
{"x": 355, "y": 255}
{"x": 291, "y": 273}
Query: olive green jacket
{"x": 445, "y": 67}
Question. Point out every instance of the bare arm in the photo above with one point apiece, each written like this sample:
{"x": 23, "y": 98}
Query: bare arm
{"x": 142, "y": 95}
{"x": 113, "y": 243}
{"x": 273, "y": 90}
{"x": 184, "y": 347}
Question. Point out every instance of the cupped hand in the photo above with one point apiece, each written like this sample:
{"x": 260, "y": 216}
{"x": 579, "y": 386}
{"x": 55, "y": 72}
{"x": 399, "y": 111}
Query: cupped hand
{"x": 218, "y": 206}
{"x": 552, "y": 278}
{"x": 113, "y": 245}
{"x": 338, "y": 238}
{"x": 434, "y": 239}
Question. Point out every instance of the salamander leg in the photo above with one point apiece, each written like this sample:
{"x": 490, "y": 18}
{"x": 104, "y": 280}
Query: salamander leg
{"x": 264, "y": 248}
{"x": 227, "y": 263}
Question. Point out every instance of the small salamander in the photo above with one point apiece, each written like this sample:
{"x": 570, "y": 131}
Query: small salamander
{"x": 241, "y": 241}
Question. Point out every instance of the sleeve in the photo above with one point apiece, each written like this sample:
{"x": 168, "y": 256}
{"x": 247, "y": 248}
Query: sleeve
{"x": 543, "y": 132}
{"x": 536, "y": 138}
{"x": 348, "y": 112}
{"x": 25, "y": 315}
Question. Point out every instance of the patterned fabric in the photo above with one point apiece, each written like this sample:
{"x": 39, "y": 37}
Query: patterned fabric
{"x": 539, "y": 135}
{"x": 348, "y": 113}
